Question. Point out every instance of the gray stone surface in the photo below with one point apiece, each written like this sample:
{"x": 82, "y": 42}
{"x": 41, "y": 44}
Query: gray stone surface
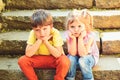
{"x": 108, "y": 68}
{"x": 2, "y": 5}
{"x": 13, "y": 20}
{"x": 111, "y": 42}
{"x": 47, "y": 4}
{"x": 62, "y": 4}
{"x": 14, "y": 43}
{"x": 107, "y": 4}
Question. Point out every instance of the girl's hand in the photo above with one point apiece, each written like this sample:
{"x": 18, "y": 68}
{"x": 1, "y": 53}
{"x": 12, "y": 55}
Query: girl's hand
{"x": 71, "y": 35}
{"x": 82, "y": 34}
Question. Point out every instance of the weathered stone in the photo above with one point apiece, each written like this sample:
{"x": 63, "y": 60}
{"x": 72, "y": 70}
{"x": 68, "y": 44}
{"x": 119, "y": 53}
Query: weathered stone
{"x": 12, "y": 47}
{"x": 21, "y": 19}
{"x": 110, "y": 42}
{"x": 108, "y": 69}
{"x": 107, "y": 4}
{"x": 47, "y": 4}
{"x": 107, "y": 22}
{"x": 11, "y": 75}
{"x": 2, "y": 6}
{"x": 0, "y": 26}
{"x": 14, "y": 43}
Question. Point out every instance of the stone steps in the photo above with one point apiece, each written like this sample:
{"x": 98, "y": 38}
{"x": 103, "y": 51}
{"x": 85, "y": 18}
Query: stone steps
{"x": 11, "y": 71}
{"x": 20, "y": 20}
{"x": 62, "y": 4}
{"x": 15, "y": 23}
{"x": 14, "y": 43}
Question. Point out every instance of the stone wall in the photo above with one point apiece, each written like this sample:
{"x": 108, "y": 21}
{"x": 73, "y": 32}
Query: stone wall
{"x": 61, "y": 4}
{"x": 2, "y": 5}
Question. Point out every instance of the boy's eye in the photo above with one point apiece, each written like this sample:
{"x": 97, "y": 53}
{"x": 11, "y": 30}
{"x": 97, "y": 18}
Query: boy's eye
{"x": 72, "y": 26}
{"x": 44, "y": 28}
{"x": 79, "y": 26}
{"x": 36, "y": 30}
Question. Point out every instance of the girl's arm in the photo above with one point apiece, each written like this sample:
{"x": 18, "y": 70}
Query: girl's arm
{"x": 89, "y": 44}
{"x": 32, "y": 49}
{"x": 72, "y": 47}
{"x": 71, "y": 44}
{"x": 83, "y": 49}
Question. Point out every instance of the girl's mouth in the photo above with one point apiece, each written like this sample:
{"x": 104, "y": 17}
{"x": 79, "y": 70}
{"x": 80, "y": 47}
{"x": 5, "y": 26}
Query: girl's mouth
{"x": 42, "y": 36}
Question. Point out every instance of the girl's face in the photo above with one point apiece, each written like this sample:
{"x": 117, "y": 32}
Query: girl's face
{"x": 76, "y": 27}
{"x": 42, "y": 31}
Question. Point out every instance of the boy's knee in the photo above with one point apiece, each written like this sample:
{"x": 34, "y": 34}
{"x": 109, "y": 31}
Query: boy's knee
{"x": 64, "y": 61}
{"x": 22, "y": 60}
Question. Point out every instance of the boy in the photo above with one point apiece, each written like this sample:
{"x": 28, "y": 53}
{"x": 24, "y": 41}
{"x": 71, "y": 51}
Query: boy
{"x": 44, "y": 48}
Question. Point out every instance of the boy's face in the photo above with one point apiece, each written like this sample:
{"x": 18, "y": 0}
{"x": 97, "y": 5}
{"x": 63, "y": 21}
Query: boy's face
{"x": 42, "y": 31}
{"x": 76, "y": 27}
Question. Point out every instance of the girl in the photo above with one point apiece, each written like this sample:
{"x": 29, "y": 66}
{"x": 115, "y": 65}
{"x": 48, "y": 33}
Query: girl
{"x": 82, "y": 48}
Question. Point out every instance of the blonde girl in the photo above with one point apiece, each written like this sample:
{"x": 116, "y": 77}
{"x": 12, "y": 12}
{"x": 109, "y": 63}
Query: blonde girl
{"x": 82, "y": 49}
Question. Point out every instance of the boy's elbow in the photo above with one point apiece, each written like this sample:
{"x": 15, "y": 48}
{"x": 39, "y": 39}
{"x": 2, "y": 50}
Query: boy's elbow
{"x": 58, "y": 55}
{"x": 28, "y": 55}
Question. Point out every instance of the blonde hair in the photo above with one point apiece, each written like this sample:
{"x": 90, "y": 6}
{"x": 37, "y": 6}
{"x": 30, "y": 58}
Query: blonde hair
{"x": 83, "y": 16}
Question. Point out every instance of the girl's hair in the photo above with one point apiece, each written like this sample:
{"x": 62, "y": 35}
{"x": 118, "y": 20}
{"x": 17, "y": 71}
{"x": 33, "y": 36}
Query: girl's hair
{"x": 40, "y": 18}
{"x": 84, "y": 16}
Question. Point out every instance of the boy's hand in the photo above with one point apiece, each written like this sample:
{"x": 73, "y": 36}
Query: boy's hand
{"x": 46, "y": 38}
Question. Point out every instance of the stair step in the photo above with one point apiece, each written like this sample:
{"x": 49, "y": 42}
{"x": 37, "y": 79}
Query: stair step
{"x": 62, "y": 4}
{"x": 105, "y": 19}
{"x": 107, "y": 67}
{"x": 14, "y": 43}
{"x": 110, "y": 42}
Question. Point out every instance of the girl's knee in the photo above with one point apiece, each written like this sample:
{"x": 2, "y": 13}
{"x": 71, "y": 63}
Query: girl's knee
{"x": 81, "y": 62}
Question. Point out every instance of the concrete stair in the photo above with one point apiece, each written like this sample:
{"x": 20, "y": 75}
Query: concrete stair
{"x": 15, "y": 20}
{"x": 13, "y": 45}
{"x": 11, "y": 71}
{"x": 15, "y": 27}
{"x": 14, "y": 42}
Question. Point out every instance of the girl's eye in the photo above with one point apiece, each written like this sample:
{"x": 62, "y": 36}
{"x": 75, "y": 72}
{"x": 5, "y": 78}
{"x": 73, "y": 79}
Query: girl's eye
{"x": 79, "y": 26}
{"x": 72, "y": 26}
{"x": 44, "y": 28}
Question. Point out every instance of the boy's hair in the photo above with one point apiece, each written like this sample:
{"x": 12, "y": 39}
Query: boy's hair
{"x": 83, "y": 16}
{"x": 40, "y": 18}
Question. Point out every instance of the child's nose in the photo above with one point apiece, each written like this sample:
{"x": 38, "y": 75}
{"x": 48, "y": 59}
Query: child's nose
{"x": 76, "y": 29}
{"x": 41, "y": 33}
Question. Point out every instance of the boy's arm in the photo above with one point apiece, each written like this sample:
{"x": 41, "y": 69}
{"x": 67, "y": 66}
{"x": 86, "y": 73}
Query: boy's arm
{"x": 55, "y": 51}
{"x": 31, "y": 49}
